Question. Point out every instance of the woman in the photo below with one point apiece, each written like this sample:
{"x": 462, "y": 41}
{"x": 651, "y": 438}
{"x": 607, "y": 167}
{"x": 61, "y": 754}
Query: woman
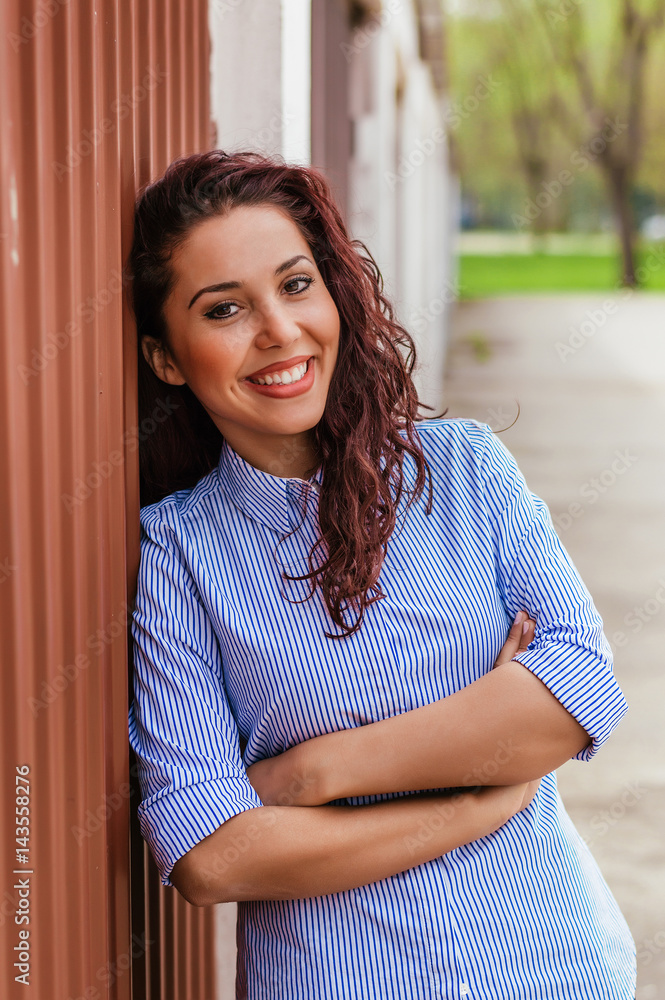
{"x": 314, "y": 638}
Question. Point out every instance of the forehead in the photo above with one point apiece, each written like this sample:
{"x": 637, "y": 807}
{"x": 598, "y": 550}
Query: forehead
{"x": 247, "y": 238}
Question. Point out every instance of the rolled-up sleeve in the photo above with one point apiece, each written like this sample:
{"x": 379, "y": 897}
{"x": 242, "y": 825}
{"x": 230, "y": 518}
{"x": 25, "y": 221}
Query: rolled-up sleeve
{"x": 569, "y": 652}
{"x": 180, "y": 724}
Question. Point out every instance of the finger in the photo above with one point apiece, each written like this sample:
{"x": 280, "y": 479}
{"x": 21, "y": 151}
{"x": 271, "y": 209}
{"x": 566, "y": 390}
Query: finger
{"x": 512, "y": 643}
{"x": 527, "y": 634}
{"x": 530, "y": 792}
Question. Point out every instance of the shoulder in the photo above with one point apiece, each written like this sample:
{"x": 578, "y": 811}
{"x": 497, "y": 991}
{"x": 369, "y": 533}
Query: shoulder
{"x": 469, "y": 458}
{"x": 172, "y": 514}
{"x": 454, "y": 430}
{"x": 455, "y": 442}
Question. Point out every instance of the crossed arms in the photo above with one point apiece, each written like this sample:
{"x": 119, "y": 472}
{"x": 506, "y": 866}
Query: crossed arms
{"x": 504, "y": 732}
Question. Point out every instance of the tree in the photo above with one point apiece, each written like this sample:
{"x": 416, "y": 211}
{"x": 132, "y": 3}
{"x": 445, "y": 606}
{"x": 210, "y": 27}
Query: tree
{"x": 531, "y": 105}
{"x": 606, "y": 118}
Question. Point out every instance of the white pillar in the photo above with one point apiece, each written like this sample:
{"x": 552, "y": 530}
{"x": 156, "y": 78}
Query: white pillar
{"x": 421, "y": 188}
{"x": 260, "y": 71}
{"x": 297, "y": 80}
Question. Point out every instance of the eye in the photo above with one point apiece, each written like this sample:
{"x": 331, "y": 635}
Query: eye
{"x": 299, "y": 278}
{"x": 217, "y": 312}
{"x": 222, "y": 309}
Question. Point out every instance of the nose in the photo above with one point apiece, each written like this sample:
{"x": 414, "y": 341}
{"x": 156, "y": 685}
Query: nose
{"x": 276, "y": 326}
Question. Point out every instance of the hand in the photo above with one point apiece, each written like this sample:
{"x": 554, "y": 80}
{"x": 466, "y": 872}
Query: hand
{"x": 520, "y": 635}
{"x": 282, "y": 781}
{"x": 530, "y": 791}
{"x": 261, "y": 778}
{"x": 511, "y": 799}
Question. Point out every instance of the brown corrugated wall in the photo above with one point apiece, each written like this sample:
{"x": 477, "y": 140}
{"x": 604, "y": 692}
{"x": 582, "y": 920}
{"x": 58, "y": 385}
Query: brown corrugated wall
{"x": 96, "y": 97}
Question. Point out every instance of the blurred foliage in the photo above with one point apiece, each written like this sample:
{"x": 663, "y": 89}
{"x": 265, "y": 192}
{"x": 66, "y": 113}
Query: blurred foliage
{"x": 482, "y": 275}
{"x": 533, "y": 125}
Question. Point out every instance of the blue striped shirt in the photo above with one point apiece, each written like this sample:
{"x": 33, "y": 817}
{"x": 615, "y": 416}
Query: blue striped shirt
{"x": 229, "y": 671}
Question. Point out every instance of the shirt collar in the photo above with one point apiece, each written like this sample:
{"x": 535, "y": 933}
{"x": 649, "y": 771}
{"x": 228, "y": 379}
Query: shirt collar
{"x": 272, "y": 500}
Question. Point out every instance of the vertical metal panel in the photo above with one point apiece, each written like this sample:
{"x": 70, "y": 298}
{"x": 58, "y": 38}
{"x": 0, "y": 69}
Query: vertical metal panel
{"x": 97, "y": 96}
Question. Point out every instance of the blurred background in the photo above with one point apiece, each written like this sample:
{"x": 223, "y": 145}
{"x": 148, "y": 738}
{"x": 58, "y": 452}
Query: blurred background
{"x": 561, "y": 267}
{"x": 561, "y": 317}
{"x": 503, "y": 161}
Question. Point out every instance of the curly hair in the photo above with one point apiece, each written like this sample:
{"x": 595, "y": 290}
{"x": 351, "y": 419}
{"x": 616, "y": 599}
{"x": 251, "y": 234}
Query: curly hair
{"x": 367, "y": 425}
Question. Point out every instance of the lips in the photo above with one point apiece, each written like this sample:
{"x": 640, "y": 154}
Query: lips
{"x": 284, "y": 390}
{"x": 280, "y": 366}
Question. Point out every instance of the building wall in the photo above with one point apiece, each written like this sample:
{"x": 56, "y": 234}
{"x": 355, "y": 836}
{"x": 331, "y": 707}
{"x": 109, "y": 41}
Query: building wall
{"x": 401, "y": 196}
{"x": 96, "y": 99}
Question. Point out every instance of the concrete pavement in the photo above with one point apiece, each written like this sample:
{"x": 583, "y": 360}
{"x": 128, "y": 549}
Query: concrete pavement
{"x": 588, "y": 373}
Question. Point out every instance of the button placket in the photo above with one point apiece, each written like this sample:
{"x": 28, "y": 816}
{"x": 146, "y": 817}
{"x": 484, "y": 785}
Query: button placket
{"x": 302, "y": 502}
{"x": 294, "y": 548}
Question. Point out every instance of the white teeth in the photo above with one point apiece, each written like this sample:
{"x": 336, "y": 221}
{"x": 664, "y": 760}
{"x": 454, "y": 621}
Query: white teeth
{"x": 287, "y": 377}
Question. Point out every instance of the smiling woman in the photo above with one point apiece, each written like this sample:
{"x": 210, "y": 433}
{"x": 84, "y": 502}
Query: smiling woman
{"x": 241, "y": 265}
{"x": 276, "y": 316}
{"x": 285, "y": 738}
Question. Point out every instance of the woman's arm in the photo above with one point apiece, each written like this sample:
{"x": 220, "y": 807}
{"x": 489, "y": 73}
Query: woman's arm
{"x": 504, "y": 728}
{"x": 289, "y": 852}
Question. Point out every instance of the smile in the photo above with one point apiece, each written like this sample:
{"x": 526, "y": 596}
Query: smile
{"x": 286, "y": 383}
{"x": 287, "y": 377}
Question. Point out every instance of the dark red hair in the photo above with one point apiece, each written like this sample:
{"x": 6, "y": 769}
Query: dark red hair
{"x": 368, "y": 422}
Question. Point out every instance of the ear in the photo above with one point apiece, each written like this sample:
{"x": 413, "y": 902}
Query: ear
{"x": 160, "y": 361}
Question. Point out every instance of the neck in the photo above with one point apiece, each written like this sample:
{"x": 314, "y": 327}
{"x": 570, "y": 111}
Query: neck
{"x": 288, "y": 456}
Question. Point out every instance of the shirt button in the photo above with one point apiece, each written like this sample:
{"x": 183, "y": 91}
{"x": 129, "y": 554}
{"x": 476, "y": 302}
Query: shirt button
{"x": 464, "y": 990}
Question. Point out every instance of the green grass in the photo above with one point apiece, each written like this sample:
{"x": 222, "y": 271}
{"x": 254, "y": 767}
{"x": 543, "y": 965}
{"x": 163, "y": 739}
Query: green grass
{"x": 484, "y": 275}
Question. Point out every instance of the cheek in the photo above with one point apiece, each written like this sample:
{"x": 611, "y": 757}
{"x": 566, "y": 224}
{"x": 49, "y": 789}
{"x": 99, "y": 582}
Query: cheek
{"x": 332, "y": 325}
{"x": 221, "y": 355}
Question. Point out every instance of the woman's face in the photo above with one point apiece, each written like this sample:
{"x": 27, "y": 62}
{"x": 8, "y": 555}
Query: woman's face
{"x": 248, "y": 296}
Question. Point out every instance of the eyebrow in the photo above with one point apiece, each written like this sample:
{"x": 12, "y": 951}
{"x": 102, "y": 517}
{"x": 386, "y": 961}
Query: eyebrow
{"x": 223, "y": 286}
